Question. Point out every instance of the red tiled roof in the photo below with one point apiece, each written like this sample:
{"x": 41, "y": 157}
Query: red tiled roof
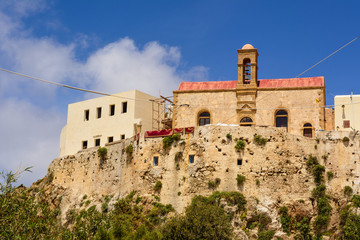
{"x": 292, "y": 82}
{"x": 263, "y": 83}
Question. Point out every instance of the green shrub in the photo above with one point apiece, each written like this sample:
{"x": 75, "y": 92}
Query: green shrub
{"x": 323, "y": 218}
{"x": 212, "y": 185}
{"x": 129, "y": 149}
{"x": 356, "y": 200}
{"x": 240, "y": 179}
{"x": 105, "y": 207}
{"x": 318, "y": 191}
{"x": 311, "y": 161}
{"x": 346, "y": 139}
{"x": 257, "y": 181}
{"x": 228, "y": 136}
{"x": 168, "y": 140}
{"x": 260, "y": 140}
{"x": 102, "y": 152}
{"x": 138, "y": 200}
{"x": 267, "y": 235}
{"x": 263, "y": 222}
{"x": 303, "y": 226}
{"x": 285, "y": 219}
{"x": 176, "y": 137}
{"x": 348, "y": 191}
{"x": 240, "y": 145}
{"x": 318, "y": 171}
{"x": 330, "y": 175}
{"x": 321, "y": 222}
{"x": 179, "y": 193}
{"x": 203, "y": 219}
{"x": 351, "y": 228}
{"x": 158, "y": 186}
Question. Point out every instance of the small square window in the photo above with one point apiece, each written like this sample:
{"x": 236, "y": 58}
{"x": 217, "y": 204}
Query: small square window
{"x": 122, "y": 136}
{"x": 156, "y": 161}
{"x": 86, "y": 115}
{"x": 97, "y": 142}
{"x": 98, "y": 112}
{"x": 346, "y": 123}
{"x": 110, "y": 139}
{"x": 84, "y": 145}
{"x": 239, "y": 162}
{"x": 112, "y": 110}
{"x": 191, "y": 159}
{"x": 124, "y": 107}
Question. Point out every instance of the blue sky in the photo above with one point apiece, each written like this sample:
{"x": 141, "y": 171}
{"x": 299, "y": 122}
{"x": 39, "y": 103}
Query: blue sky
{"x": 115, "y": 46}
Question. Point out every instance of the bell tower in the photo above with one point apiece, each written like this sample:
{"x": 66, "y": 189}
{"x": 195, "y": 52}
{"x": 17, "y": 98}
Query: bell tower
{"x": 246, "y": 88}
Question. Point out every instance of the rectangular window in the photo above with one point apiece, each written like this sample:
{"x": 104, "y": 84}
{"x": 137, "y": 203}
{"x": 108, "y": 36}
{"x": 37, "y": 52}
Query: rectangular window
{"x": 191, "y": 159}
{"x": 346, "y": 123}
{"x": 156, "y": 161}
{"x": 110, "y": 139}
{"x": 98, "y": 112}
{"x": 97, "y": 142}
{"x": 112, "y": 110}
{"x": 84, "y": 145}
{"x": 122, "y": 136}
{"x": 239, "y": 162}
{"x": 124, "y": 107}
{"x": 86, "y": 115}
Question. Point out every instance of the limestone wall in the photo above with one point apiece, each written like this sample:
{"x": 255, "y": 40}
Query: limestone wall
{"x": 279, "y": 167}
{"x": 298, "y": 102}
{"x": 221, "y": 105}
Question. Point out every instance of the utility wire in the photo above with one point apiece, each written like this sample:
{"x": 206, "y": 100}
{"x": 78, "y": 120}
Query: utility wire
{"x": 328, "y": 56}
{"x": 71, "y": 87}
{"x": 317, "y": 63}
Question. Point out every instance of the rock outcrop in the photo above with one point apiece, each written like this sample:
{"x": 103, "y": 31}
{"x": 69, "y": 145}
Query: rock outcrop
{"x": 276, "y": 172}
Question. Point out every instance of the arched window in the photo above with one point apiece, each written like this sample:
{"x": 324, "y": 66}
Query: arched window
{"x": 307, "y": 130}
{"x": 246, "y": 121}
{"x": 281, "y": 118}
{"x": 204, "y": 118}
{"x": 247, "y": 71}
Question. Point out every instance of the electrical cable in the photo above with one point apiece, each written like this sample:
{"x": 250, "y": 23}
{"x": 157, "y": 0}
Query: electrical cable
{"x": 318, "y": 63}
{"x": 72, "y": 87}
{"x": 328, "y": 56}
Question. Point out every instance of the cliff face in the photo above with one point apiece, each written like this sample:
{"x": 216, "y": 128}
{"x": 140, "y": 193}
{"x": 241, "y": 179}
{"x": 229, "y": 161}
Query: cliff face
{"x": 276, "y": 173}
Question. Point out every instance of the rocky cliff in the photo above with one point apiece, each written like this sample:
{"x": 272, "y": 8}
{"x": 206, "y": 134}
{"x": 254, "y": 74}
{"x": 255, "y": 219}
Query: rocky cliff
{"x": 275, "y": 165}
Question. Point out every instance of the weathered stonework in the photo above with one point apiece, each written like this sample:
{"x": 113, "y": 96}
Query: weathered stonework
{"x": 279, "y": 167}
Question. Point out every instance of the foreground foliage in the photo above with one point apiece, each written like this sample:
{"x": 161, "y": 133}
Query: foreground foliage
{"x": 22, "y": 216}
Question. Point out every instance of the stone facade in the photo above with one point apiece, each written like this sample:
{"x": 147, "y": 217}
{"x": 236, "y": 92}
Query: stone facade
{"x": 249, "y": 101}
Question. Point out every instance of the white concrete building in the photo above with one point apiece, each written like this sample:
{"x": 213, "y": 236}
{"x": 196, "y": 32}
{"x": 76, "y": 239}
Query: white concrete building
{"x": 347, "y": 112}
{"x": 98, "y": 121}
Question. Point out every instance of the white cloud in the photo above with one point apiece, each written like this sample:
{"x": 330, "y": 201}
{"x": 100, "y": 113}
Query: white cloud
{"x": 121, "y": 66}
{"x": 30, "y": 132}
{"x": 29, "y": 136}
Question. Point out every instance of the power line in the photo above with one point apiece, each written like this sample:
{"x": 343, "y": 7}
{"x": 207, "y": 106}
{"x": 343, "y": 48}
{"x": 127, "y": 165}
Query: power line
{"x": 317, "y": 63}
{"x": 71, "y": 87}
{"x": 328, "y": 56}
